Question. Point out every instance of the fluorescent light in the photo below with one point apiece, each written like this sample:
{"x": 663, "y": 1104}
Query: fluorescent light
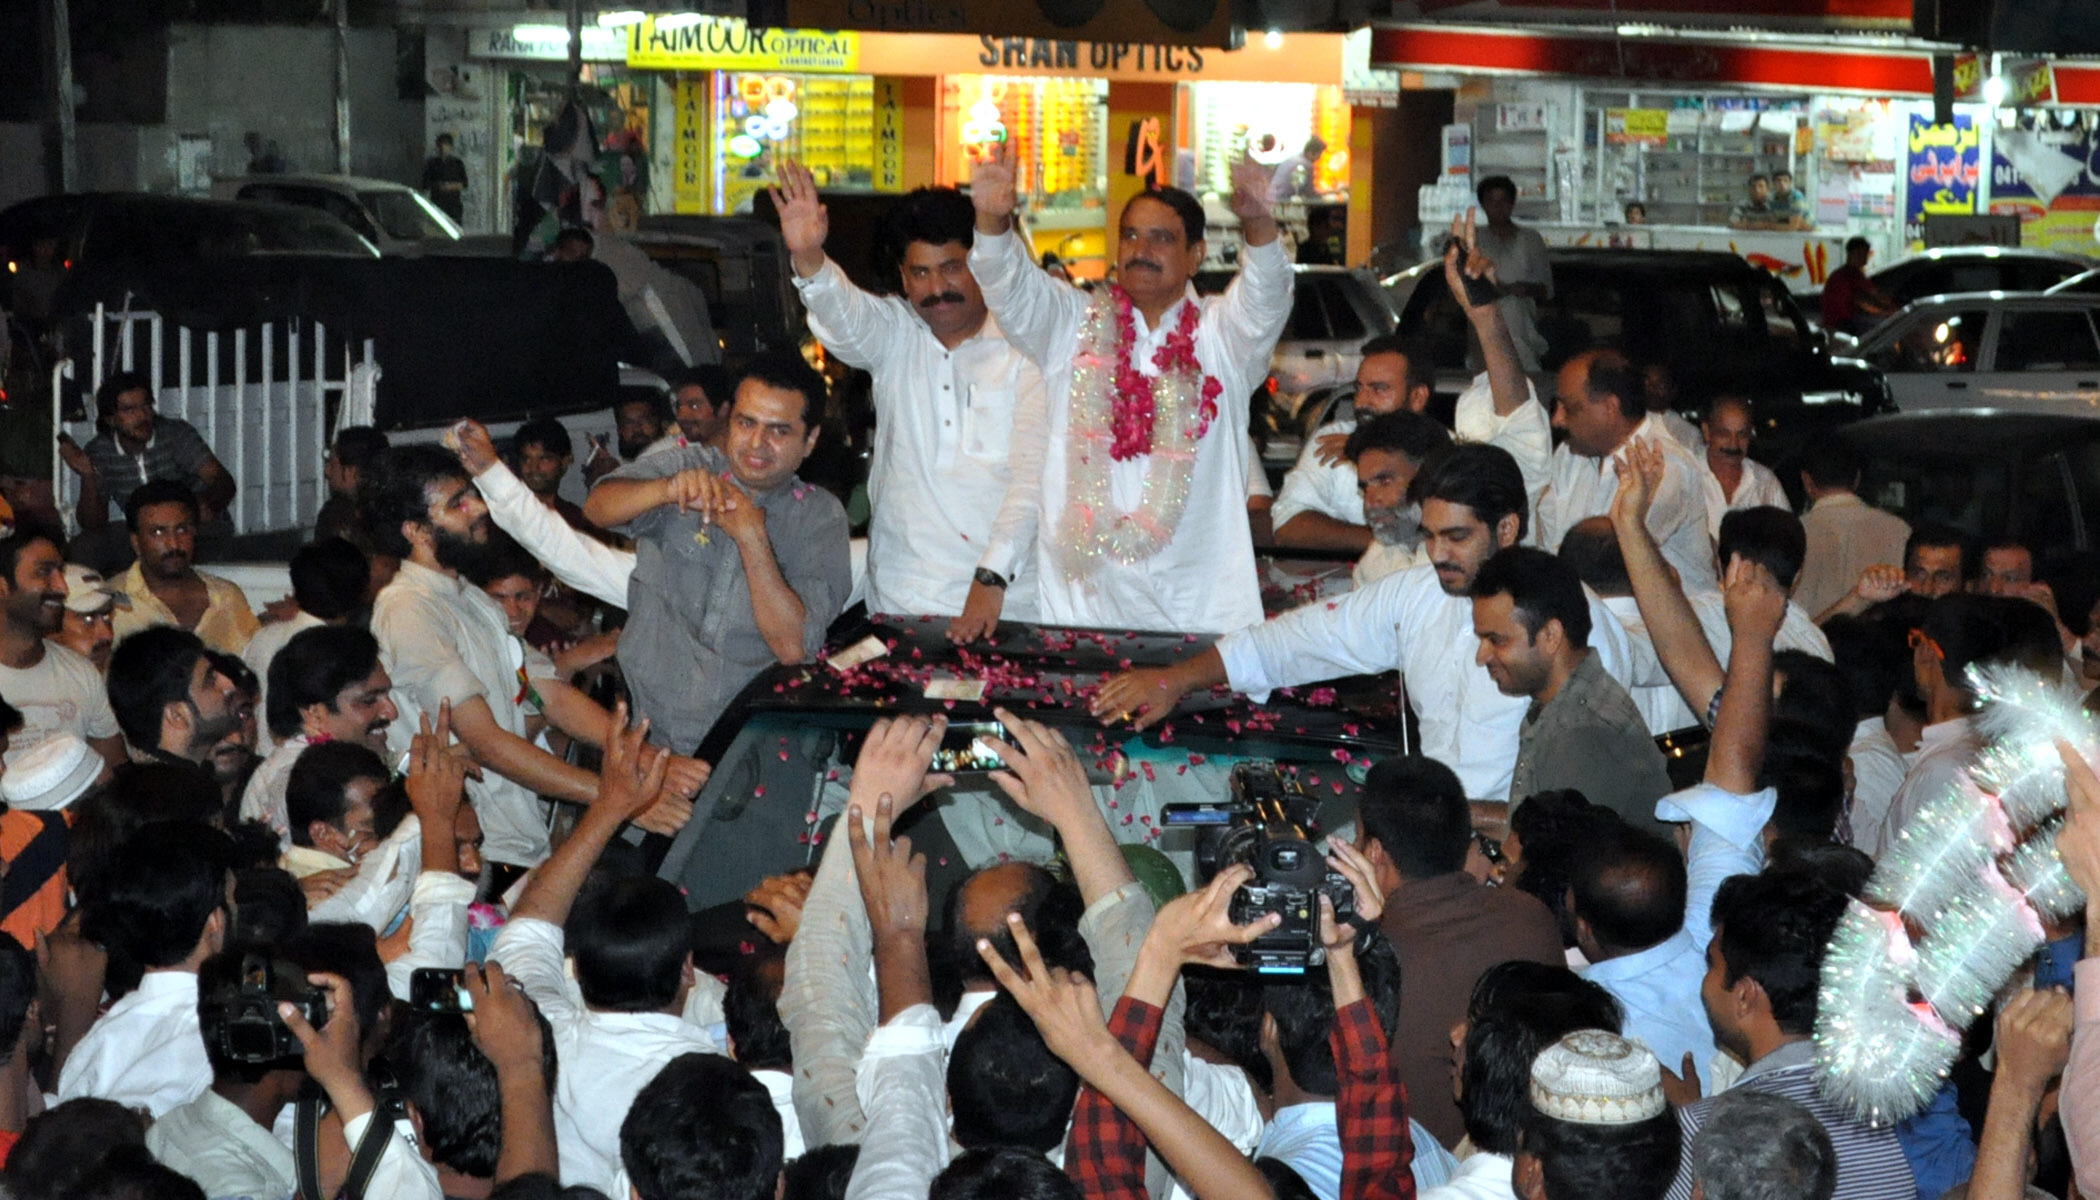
{"x": 621, "y": 18}
{"x": 1273, "y": 39}
{"x": 1994, "y": 90}
{"x": 678, "y": 20}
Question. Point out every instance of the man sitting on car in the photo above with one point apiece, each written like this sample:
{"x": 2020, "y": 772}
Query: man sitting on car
{"x": 1321, "y": 506}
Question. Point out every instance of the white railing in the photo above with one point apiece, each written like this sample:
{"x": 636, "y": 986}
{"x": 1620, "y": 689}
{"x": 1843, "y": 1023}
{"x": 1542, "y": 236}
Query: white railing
{"x": 266, "y": 399}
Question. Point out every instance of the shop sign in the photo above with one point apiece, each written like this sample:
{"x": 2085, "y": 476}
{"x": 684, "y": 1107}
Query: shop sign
{"x": 1139, "y": 22}
{"x": 889, "y": 134}
{"x": 1946, "y": 164}
{"x": 1458, "y": 150}
{"x": 2028, "y": 81}
{"x": 2050, "y": 179}
{"x": 689, "y": 146}
{"x": 545, "y": 43}
{"x": 1637, "y": 126}
{"x": 1520, "y": 118}
{"x": 1143, "y": 156}
{"x": 729, "y": 43}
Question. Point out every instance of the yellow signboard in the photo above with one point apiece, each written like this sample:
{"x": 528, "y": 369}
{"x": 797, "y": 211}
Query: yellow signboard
{"x": 728, "y": 43}
{"x": 1628, "y": 126}
{"x": 689, "y": 152}
{"x": 889, "y": 134}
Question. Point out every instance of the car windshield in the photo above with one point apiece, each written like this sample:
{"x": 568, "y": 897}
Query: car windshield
{"x": 408, "y": 217}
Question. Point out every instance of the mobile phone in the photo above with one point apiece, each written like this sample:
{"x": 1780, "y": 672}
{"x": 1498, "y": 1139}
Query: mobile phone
{"x": 970, "y": 749}
{"x": 439, "y": 989}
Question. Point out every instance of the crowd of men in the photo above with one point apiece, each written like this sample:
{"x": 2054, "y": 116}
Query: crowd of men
{"x": 324, "y": 905}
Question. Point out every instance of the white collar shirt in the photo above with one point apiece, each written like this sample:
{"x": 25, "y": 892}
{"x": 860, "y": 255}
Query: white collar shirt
{"x": 443, "y": 639}
{"x": 257, "y": 654}
{"x": 1877, "y": 775}
{"x": 1945, "y": 748}
{"x": 1407, "y": 621}
{"x": 955, "y": 471}
{"x": 1582, "y": 487}
{"x": 1203, "y": 580}
{"x": 1756, "y": 489}
{"x": 213, "y": 1142}
{"x": 1480, "y": 1176}
{"x": 264, "y": 797}
{"x": 146, "y": 1051}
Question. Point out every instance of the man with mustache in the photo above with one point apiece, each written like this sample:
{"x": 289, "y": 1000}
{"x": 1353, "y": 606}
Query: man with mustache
{"x": 164, "y": 585}
{"x": 1733, "y": 479}
{"x": 959, "y": 412}
{"x": 1144, "y": 479}
{"x": 325, "y": 685}
{"x": 57, "y": 690}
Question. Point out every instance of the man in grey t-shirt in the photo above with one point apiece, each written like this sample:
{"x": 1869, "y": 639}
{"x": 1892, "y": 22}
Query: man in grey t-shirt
{"x": 739, "y": 564}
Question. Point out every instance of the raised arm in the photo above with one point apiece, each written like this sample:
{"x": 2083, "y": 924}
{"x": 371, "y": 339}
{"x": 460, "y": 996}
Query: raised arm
{"x": 1505, "y": 371}
{"x": 853, "y": 325}
{"x": 584, "y": 563}
{"x": 1037, "y": 313}
{"x": 780, "y": 612}
{"x": 1756, "y": 606}
{"x": 507, "y": 1031}
{"x": 1371, "y": 1105}
{"x": 1243, "y": 324}
{"x": 1673, "y": 626}
{"x": 1045, "y": 778}
{"x": 2033, "y": 1043}
{"x": 630, "y": 781}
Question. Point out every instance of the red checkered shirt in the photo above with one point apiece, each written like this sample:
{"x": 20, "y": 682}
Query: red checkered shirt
{"x": 1107, "y": 1158}
{"x": 1371, "y": 1110}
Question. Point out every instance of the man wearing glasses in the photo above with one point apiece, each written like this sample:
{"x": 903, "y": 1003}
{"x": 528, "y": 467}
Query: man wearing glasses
{"x": 164, "y": 586}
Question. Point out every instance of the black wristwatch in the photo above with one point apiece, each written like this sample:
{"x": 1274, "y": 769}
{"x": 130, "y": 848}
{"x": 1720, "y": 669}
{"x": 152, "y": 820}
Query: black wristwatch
{"x": 990, "y": 578}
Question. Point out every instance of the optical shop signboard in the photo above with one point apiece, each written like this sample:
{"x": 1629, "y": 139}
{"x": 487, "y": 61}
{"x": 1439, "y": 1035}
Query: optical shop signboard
{"x": 1148, "y": 22}
{"x": 728, "y": 44}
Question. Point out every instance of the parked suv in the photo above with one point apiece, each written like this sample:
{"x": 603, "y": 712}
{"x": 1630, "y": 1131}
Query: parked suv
{"x": 2025, "y": 353}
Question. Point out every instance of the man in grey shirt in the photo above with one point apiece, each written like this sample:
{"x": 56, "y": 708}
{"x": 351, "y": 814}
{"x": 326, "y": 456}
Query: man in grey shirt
{"x": 739, "y": 563}
{"x": 1582, "y": 730}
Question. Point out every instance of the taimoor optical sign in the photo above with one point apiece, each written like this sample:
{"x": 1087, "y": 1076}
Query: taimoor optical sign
{"x": 728, "y": 43}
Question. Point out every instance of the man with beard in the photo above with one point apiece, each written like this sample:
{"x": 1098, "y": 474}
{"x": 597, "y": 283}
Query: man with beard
{"x": 164, "y": 585}
{"x": 170, "y": 703}
{"x": 638, "y": 422}
{"x": 959, "y": 412}
{"x": 739, "y": 564}
{"x": 1733, "y": 480}
{"x": 444, "y": 640}
{"x": 88, "y": 628}
{"x": 1320, "y": 507}
{"x": 1386, "y": 451}
{"x": 1420, "y": 620}
{"x": 56, "y": 689}
{"x": 325, "y": 685}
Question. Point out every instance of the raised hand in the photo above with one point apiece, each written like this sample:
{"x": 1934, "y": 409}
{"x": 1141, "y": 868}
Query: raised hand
{"x": 74, "y": 457}
{"x": 2034, "y": 1039}
{"x": 804, "y": 221}
{"x": 1043, "y": 774}
{"x": 774, "y": 907}
{"x": 894, "y": 760}
{"x": 1196, "y": 927}
{"x": 1477, "y": 265}
{"x": 332, "y": 1050}
{"x": 1064, "y": 1006}
{"x": 471, "y": 441}
{"x": 992, "y": 190}
{"x": 892, "y": 878}
{"x": 1881, "y": 582}
{"x": 1362, "y": 877}
{"x": 1753, "y": 600}
{"x": 631, "y": 778}
{"x": 1333, "y": 449}
{"x": 1682, "y": 1089}
{"x": 1144, "y": 697}
{"x": 437, "y": 771}
{"x": 1640, "y": 467}
{"x": 2079, "y": 843}
{"x": 1250, "y": 191}
{"x": 699, "y": 490}
{"x": 505, "y": 1025}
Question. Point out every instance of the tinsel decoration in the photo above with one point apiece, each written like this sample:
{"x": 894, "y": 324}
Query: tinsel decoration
{"x": 1949, "y": 840}
{"x": 1984, "y": 935}
{"x": 2040, "y": 875}
{"x": 1963, "y": 876}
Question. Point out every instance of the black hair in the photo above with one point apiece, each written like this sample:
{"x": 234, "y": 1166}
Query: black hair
{"x": 1416, "y": 808}
{"x": 1773, "y": 928}
{"x": 313, "y": 668}
{"x": 1303, "y": 1009}
{"x": 219, "y": 982}
{"x": 1483, "y": 478}
{"x": 320, "y": 778}
{"x": 1420, "y": 356}
{"x": 115, "y": 384}
{"x": 719, "y": 385}
{"x": 575, "y": 233}
{"x": 1808, "y": 779}
{"x": 1507, "y": 983}
{"x": 1541, "y": 588}
{"x": 395, "y": 491}
{"x": 1874, "y": 657}
{"x": 1495, "y": 1082}
{"x": 1223, "y": 1011}
{"x": 1831, "y": 462}
{"x": 349, "y": 949}
{"x": 163, "y": 886}
{"x": 1611, "y": 374}
{"x": 17, "y": 992}
{"x": 1398, "y": 432}
{"x": 1629, "y": 885}
{"x": 1185, "y": 206}
{"x": 630, "y": 937}
{"x": 1767, "y": 535}
{"x": 329, "y": 578}
{"x": 658, "y": 403}
{"x": 546, "y": 433}
{"x": 703, "y": 1129}
{"x": 1285, "y": 1183}
{"x": 1005, "y": 1085}
{"x": 1966, "y": 628}
{"x": 2031, "y": 639}
{"x": 1001, "y": 1173}
{"x": 751, "y": 1008}
{"x": 453, "y": 1086}
{"x": 158, "y": 491}
{"x": 1857, "y": 243}
{"x": 1933, "y": 533}
{"x": 1817, "y": 695}
{"x": 822, "y": 1173}
{"x": 501, "y": 558}
{"x": 12, "y": 546}
{"x": 61, "y": 1145}
{"x": 1549, "y": 826}
{"x": 1495, "y": 183}
{"x": 135, "y": 1176}
{"x": 137, "y": 794}
{"x": 1592, "y": 548}
{"x": 933, "y": 215}
{"x": 269, "y": 907}
{"x": 11, "y": 719}
{"x": 359, "y": 446}
{"x": 1626, "y": 1162}
{"x": 236, "y": 672}
{"x": 1842, "y": 868}
{"x": 787, "y": 371}
{"x": 536, "y": 1185}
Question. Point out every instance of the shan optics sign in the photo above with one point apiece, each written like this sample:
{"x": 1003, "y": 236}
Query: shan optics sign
{"x": 728, "y": 43}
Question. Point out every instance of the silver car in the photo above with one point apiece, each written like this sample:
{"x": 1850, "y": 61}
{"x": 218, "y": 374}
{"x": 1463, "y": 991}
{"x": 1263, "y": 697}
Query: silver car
{"x": 1988, "y": 350}
{"x": 398, "y": 219}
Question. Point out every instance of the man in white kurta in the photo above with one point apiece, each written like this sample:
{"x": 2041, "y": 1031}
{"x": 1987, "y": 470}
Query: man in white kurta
{"x": 954, "y": 477}
{"x": 1732, "y": 480}
{"x": 1199, "y": 574}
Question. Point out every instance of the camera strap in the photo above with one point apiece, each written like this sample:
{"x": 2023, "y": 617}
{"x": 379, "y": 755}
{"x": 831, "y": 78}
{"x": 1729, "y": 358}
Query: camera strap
{"x": 306, "y": 1146}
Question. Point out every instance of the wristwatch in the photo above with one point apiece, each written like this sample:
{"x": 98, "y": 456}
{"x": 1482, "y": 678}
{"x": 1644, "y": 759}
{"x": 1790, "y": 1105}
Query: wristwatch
{"x": 990, "y": 578}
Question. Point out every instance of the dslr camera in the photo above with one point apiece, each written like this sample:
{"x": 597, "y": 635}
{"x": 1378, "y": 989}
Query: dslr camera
{"x": 245, "y": 1027}
{"x": 1269, "y": 824}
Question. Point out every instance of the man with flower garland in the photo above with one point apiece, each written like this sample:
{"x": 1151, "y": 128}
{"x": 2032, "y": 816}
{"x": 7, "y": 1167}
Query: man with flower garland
{"x": 1144, "y": 478}
{"x": 959, "y": 411}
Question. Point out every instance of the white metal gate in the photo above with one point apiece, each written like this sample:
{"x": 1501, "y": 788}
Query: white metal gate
{"x": 266, "y": 399}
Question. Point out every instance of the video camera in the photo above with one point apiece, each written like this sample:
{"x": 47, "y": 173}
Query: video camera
{"x": 245, "y": 1027}
{"x": 1270, "y": 825}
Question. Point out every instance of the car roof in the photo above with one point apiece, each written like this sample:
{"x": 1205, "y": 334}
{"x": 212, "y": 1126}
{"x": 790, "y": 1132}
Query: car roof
{"x": 354, "y": 183}
{"x": 1943, "y": 252}
{"x": 1979, "y": 430}
{"x": 2072, "y": 284}
{"x": 2001, "y": 299}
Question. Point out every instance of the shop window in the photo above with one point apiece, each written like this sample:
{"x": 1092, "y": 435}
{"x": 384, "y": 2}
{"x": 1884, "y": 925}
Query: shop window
{"x": 2046, "y": 341}
{"x": 1947, "y": 341}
